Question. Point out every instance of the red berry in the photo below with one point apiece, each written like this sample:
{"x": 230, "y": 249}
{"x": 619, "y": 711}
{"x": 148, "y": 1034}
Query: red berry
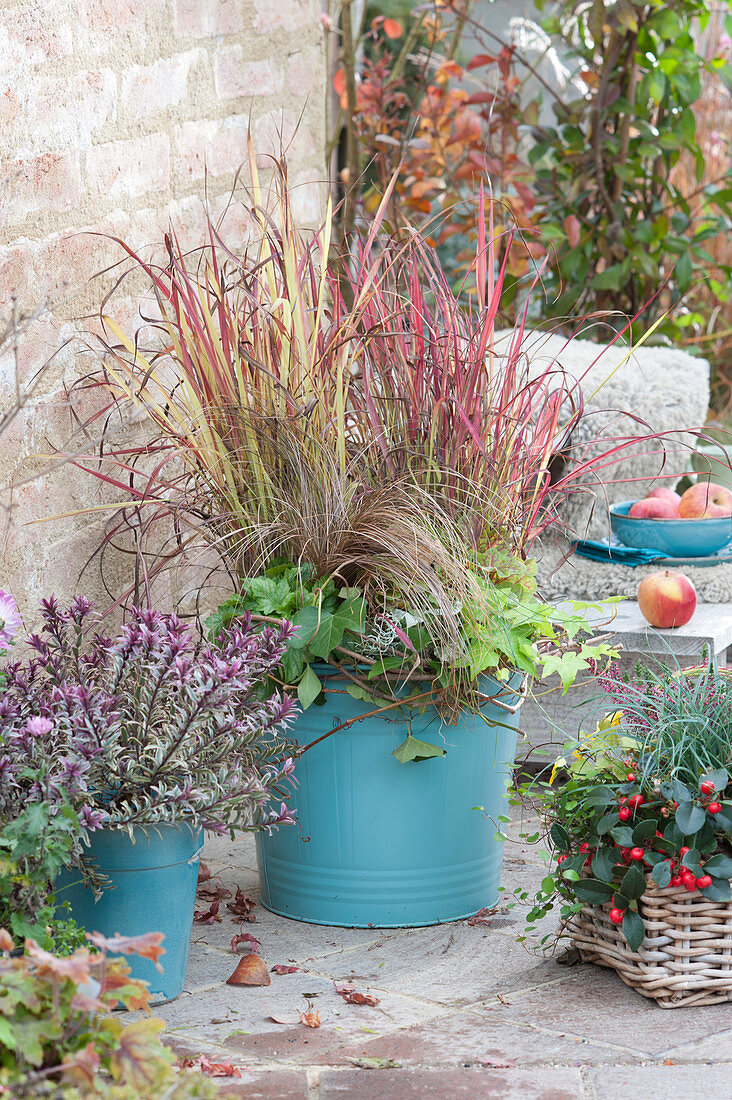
{"x": 690, "y": 883}
{"x": 585, "y": 847}
{"x": 637, "y": 853}
{"x": 676, "y": 881}
{"x": 630, "y": 777}
{"x": 714, "y": 808}
{"x": 562, "y": 859}
{"x": 704, "y": 881}
{"x": 672, "y": 863}
{"x": 683, "y": 851}
{"x": 659, "y": 834}
{"x": 616, "y": 916}
{"x": 707, "y": 787}
{"x": 624, "y": 798}
{"x": 625, "y": 814}
{"x": 636, "y": 801}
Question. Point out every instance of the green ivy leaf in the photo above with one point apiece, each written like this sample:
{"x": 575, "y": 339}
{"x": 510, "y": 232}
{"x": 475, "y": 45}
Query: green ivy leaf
{"x": 309, "y": 688}
{"x": 412, "y": 749}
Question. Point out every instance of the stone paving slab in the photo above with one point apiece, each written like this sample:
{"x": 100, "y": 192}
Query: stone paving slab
{"x": 464, "y": 1011}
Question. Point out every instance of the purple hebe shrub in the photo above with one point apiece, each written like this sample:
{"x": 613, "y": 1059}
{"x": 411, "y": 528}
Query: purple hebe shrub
{"x": 146, "y": 728}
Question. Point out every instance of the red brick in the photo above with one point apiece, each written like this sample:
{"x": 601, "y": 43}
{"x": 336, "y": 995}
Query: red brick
{"x": 205, "y": 18}
{"x": 551, "y": 1083}
{"x": 235, "y": 76}
{"x": 273, "y": 134}
{"x": 271, "y": 15}
{"x": 114, "y": 16}
{"x": 63, "y": 111}
{"x": 16, "y": 271}
{"x": 129, "y": 168}
{"x": 266, "y": 1085}
{"x": 148, "y": 88}
{"x": 50, "y": 182}
{"x": 303, "y": 73}
{"x": 38, "y": 33}
{"x": 216, "y": 145}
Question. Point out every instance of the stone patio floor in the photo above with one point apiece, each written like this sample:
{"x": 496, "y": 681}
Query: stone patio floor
{"x": 464, "y": 1011}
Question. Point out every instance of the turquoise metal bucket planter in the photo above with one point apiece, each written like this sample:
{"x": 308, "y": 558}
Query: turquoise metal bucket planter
{"x": 153, "y": 889}
{"x": 389, "y": 845}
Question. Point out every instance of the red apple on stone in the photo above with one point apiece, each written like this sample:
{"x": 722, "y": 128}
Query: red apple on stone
{"x": 655, "y": 508}
{"x": 706, "y": 500}
{"x": 664, "y": 493}
{"x": 666, "y": 599}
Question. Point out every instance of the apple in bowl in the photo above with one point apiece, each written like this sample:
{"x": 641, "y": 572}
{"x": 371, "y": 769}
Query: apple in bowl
{"x": 706, "y": 500}
{"x": 666, "y": 599}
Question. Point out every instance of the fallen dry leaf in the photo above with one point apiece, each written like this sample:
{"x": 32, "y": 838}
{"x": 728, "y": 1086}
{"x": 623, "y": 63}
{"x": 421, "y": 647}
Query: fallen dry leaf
{"x": 208, "y": 916}
{"x": 292, "y": 1018}
{"x": 213, "y": 890}
{"x": 218, "y": 1069}
{"x": 280, "y": 969}
{"x": 244, "y": 937}
{"x": 203, "y": 873}
{"x": 250, "y": 970}
{"x": 242, "y": 906}
{"x": 351, "y": 997}
{"x": 310, "y": 1019}
{"x": 481, "y": 915}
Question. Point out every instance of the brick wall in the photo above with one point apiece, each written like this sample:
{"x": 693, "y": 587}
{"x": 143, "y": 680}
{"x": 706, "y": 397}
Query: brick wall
{"x": 111, "y": 114}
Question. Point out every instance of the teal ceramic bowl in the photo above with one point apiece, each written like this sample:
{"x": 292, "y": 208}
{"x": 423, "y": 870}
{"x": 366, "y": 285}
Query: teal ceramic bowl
{"x": 677, "y": 538}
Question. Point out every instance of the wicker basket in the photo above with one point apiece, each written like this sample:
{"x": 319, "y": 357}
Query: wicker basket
{"x": 686, "y": 956}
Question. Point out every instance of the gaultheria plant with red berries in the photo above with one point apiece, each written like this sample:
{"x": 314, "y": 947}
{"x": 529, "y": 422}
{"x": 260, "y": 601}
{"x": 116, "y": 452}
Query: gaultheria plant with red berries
{"x": 648, "y": 797}
{"x": 145, "y": 728}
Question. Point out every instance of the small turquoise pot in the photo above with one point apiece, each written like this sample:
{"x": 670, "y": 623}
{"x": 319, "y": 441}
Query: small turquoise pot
{"x": 389, "y": 845}
{"x": 153, "y": 877}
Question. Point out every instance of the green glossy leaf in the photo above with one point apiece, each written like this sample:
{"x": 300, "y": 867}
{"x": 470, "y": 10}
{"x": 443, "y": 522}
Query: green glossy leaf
{"x": 718, "y": 891}
{"x": 633, "y": 929}
{"x": 600, "y": 796}
{"x": 720, "y": 866}
{"x": 644, "y": 830}
{"x": 414, "y": 750}
{"x": 690, "y": 818}
{"x": 606, "y": 823}
{"x": 603, "y": 863}
{"x": 633, "y": 884}
{"x": 661, "y": 874}
{"x": 560, "y": 837}
{"x": 623, "y": 834}
{"x": 592, "y": 891}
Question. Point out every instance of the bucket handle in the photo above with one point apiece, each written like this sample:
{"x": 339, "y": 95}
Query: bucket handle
{"x": 513, "y": 708}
